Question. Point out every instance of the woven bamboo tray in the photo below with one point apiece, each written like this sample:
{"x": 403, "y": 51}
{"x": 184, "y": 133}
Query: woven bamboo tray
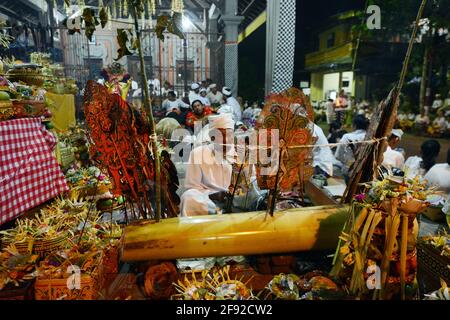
{"x": 40, "y": 247}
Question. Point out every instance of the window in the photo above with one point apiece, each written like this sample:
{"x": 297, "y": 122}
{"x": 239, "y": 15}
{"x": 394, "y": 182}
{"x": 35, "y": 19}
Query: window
{"x": 189, "y": 73}
{"x": 331, "y": 39}
{"x": 134, "y": 67}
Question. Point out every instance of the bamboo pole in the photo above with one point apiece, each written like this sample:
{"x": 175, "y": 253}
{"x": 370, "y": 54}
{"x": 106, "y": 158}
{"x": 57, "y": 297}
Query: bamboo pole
{"x": 403, "y": 251}
{"x": 148, "y": 109}
{"x": 315, "y": 228}
{"x": 368, "y": 157}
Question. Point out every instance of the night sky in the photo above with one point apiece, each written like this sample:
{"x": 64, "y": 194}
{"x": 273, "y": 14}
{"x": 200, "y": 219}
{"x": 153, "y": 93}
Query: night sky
{"x": 310, "y": 15}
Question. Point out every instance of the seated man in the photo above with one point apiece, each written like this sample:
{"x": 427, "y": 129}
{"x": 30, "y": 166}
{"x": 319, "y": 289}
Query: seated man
{"x": 392, "y": 157}
{"x": 323, "y": 158}
{"x": 209, "y": 170}
{"x": 175, "y": 108}
{"x": 200, "y": 112}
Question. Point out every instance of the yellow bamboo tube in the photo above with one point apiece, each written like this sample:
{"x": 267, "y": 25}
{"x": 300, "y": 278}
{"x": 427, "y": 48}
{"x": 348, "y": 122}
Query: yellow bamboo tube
{"x": 403, "y": 250}
{"x": 315, "y": 228}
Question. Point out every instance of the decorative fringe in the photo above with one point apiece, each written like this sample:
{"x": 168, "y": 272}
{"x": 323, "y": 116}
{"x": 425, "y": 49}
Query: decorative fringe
{"x": 125, "y": 8}
{"x": 110, "y": 14}
{"x": 177, "y": 6}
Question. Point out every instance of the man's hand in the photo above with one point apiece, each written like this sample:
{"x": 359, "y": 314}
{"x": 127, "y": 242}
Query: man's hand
{"x": 219, "y": 196}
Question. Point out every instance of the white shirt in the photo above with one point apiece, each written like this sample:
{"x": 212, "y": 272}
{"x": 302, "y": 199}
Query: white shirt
{"x": 205, "y": 101}
{"x": 257, "y": 112}
{"x": 322, "y": 156}
{"x": 215, "y": 98}
{"x": 441, "y": 123}
{"x": 412, "y": 167}
{"x": 170, "y": 105}
{"x": 439, "y": 175}
{"x": 437, "y": 104}
{"x": 393, "y": 159}
{"x": 424, "y": 119}
{"x": 137, "y": 93}
{"x": 193, "y": 96}
{"x": 156, "y": 84}
{"x": 343, "y": 152}
{"x": 329, "y": 107}
{"x": 248, "y": 113}
{"x": 237, "y": 113}
{"x": 206, "y": 174}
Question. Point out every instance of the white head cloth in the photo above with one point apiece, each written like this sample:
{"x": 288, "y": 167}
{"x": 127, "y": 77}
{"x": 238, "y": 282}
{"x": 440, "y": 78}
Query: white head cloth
{"x": 397, "y": 133}
{"x": 226, "y": 91}
{"x": 195, "y": 86}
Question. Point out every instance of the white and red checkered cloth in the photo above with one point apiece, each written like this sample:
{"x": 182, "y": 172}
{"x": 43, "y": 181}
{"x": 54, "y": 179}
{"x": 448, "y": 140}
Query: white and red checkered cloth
{"x": 29, "y": 173}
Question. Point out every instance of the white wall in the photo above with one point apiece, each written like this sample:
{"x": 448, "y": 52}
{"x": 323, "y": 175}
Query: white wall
{"x": 330, "y": 83}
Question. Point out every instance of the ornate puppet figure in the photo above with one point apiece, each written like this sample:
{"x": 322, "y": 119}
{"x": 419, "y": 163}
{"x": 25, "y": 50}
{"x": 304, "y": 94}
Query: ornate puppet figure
{"x": 292, "y": 115}
{"x": 119, "y": 137}
{"x": 117, "y": 80}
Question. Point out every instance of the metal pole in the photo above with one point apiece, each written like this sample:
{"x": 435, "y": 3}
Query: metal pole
{"x": 185, "y": 65}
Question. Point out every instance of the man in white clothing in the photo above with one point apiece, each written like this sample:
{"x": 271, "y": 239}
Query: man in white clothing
{"x": 329, "y": 109}
{"x": 232, "y": 102}
{"x": 345, "y": 152}
{"x": 323, "y": 158}
{"x": 209, "y": 169}
{"x": 214, "y": 95}
{"x": 392, "y": 157}
{"x": 203, "y": 97}
{"x": 172, "y": 104}
{"x": 194, "y": 94}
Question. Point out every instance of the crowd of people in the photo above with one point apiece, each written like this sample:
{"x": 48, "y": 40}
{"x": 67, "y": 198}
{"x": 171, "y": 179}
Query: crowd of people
{"x": 433, "y": 122}
{"x": 215, "y": 108}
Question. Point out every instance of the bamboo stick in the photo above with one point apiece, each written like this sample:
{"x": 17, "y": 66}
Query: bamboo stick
{"x": 148, "y": 109}
{"x": 403, "y": 250}
{"x": 391, "y": 236}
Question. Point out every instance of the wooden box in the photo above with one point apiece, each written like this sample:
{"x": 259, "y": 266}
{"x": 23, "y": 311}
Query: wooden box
{"x": 432, "y": 266}
{"x": 58, "y": 289}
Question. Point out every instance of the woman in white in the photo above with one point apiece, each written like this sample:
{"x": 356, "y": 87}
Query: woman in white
{"x": 419, "y": 165}
{"x": 439, "y": 175}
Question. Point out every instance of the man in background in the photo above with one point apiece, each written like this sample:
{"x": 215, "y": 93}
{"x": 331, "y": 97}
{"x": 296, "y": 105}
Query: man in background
{"x": 233, "y": 103}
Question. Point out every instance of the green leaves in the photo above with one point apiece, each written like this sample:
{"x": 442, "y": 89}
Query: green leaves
{"x": 161, "y": 25}
{"x": 103, "y": 17}
{"x": 176, "y": 25}
{"x": 122, "y": 40}
{"x": 171, "y": 24}
{"x": 90, "y": 22}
